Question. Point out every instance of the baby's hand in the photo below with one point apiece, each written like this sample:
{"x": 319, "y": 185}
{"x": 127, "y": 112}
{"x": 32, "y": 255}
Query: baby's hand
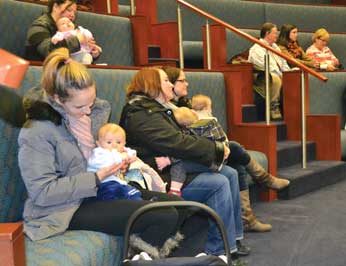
{"x": 162, "y": 162}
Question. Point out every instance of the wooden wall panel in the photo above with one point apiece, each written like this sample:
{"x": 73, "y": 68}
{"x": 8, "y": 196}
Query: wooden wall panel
{"x": 140, "y": 35}
{"x": 147, "y": 8}
{"x": 292, "y": 103}
{"x": 218, "y": 46}
{"x": 325, "y": 131}
{"x": 100, "y": 6}
{"x": 166, "y": 35}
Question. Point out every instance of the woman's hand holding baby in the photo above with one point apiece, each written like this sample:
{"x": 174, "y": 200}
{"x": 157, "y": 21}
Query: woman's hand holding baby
{"x": 226, "y": 153}
{"x": 162, "y": 162}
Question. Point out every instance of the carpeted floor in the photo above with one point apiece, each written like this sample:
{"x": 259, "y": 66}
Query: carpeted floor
{"x": 308, "y": 230}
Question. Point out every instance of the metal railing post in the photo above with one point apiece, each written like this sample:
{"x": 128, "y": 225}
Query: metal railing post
{"x": 109, "y": 7}
{"x": 267, "y": 73}
{"x": 207, "y": 29}
{"x": 180, "y": 37}
{"x": 132, "y": 8}
{"x": 302, "y": 83}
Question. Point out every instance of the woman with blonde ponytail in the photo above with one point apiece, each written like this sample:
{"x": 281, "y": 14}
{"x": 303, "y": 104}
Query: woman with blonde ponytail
{"x": 63, "y": 116}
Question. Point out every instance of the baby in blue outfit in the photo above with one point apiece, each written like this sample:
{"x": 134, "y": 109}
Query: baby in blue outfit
{"x": 111, "y": 141}
{"x": 111, "y": 150}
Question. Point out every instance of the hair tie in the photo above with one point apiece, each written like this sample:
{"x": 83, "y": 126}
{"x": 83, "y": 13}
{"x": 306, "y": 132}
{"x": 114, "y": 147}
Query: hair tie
{"x": 67, "y": 61}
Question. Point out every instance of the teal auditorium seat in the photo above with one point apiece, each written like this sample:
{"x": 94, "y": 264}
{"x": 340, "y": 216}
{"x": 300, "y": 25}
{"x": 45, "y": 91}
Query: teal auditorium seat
{"x": 307, "y": 18}
{"x": 15, "y": 20}
{"x": 237, "y": 44}
{"x": 124, "y": 7}
{"x": 327, "y": 98}
{"x": 113, "y": 34}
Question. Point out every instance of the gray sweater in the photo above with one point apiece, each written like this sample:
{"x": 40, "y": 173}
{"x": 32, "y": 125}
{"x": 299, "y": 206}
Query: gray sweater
{"x": 52, "y": 165}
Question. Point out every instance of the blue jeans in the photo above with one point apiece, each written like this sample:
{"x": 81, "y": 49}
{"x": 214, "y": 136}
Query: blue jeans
{"x": 219, "y": 191}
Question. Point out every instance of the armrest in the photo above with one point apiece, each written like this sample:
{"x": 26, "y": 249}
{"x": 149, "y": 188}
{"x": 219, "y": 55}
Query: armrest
{"x": 12, "y": 245}
{"x": 259, "y": 137}
{"x": 325, "y": 131}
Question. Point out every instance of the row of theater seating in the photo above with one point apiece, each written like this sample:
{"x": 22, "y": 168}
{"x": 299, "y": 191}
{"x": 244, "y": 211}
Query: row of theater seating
{"x": 299, "y": 1}
{"x": 242, "y": 14}
{"x": 236, "y": 44}
{"x": 81, "y": 247}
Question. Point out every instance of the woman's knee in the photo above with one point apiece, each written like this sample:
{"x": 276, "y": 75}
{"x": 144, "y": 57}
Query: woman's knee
{"x": 231, "y": 174}
{"x": 238, "y": 154}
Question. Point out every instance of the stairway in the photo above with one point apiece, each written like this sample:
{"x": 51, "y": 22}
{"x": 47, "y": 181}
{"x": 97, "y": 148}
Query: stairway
{"x": 316, "y": 175}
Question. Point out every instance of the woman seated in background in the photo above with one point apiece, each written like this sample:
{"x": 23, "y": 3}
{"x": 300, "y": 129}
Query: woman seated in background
{"x": 38, "y": 40}
{"x": 320, "y": 52}
{"x": 289, "y": 45}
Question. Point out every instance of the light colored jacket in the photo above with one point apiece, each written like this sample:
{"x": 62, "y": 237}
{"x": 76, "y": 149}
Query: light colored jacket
{"x": 276, "y": 63}
{"x": 52, "y": 165}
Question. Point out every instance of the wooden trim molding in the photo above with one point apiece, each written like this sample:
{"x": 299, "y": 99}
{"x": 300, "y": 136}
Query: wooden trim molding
{"x": 12, "y": 244}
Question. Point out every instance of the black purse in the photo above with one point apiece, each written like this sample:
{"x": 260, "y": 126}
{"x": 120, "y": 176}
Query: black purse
{"x": 209, "y": 260}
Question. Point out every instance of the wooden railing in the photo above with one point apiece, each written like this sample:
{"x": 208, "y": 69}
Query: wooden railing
{"x": 304, "y": 69}
{"x": 252, "y": 39}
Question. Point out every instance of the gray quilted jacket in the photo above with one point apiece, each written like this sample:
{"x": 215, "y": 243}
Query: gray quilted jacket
{"x": 52, "y": 165}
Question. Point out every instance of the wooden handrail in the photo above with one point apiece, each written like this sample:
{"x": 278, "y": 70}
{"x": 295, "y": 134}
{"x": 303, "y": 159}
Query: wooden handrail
{"x": 252, "y": 39}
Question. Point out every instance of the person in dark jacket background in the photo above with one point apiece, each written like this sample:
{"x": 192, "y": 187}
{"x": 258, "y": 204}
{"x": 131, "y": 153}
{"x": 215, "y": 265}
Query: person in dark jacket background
{"x": 152, "y": 130}
{"x": 38, "y": 41}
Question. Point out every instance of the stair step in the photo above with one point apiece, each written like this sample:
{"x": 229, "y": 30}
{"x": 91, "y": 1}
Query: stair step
{"x": 318, "y": 174}
{"x": 154, "y": 51}
{"x": 281, "y": 130}
{"x": 290, "y": 152}
{"x": 249, "y": 113}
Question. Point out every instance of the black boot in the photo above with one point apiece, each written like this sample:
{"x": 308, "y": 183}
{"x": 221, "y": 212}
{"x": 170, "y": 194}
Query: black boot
{"x": 242, "y": 249}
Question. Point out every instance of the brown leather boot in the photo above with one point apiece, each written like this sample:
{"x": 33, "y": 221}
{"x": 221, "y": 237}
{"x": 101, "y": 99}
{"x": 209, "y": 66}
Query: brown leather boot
{"x": 275, "y": 113}
{"x": 250, "y": 222}
{"x": 260, "y": 175}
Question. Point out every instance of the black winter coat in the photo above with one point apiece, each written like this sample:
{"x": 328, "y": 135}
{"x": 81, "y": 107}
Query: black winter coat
{"x": 152, "y": 130}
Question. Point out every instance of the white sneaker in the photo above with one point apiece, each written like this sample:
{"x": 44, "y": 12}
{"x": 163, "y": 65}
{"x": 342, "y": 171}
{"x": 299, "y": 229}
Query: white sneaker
{"x": 136, "y": 257}
{"x": 201, "y": 254}
{"x": 145, "y": 256}
{"x": 224, "y": 258}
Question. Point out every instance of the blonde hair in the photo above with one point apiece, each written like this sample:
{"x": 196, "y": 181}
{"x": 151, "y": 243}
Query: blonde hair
{"x": 61, "y": 73}
{"x": 200, "y": 101}
{"x": 110, "y": 128}
{"x": 185, "y": 116}
{"x": 320, "y": 33}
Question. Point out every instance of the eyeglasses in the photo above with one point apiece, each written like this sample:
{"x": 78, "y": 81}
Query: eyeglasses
{"x": 181, "y": 80}
{"x": 323, "y": 40}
